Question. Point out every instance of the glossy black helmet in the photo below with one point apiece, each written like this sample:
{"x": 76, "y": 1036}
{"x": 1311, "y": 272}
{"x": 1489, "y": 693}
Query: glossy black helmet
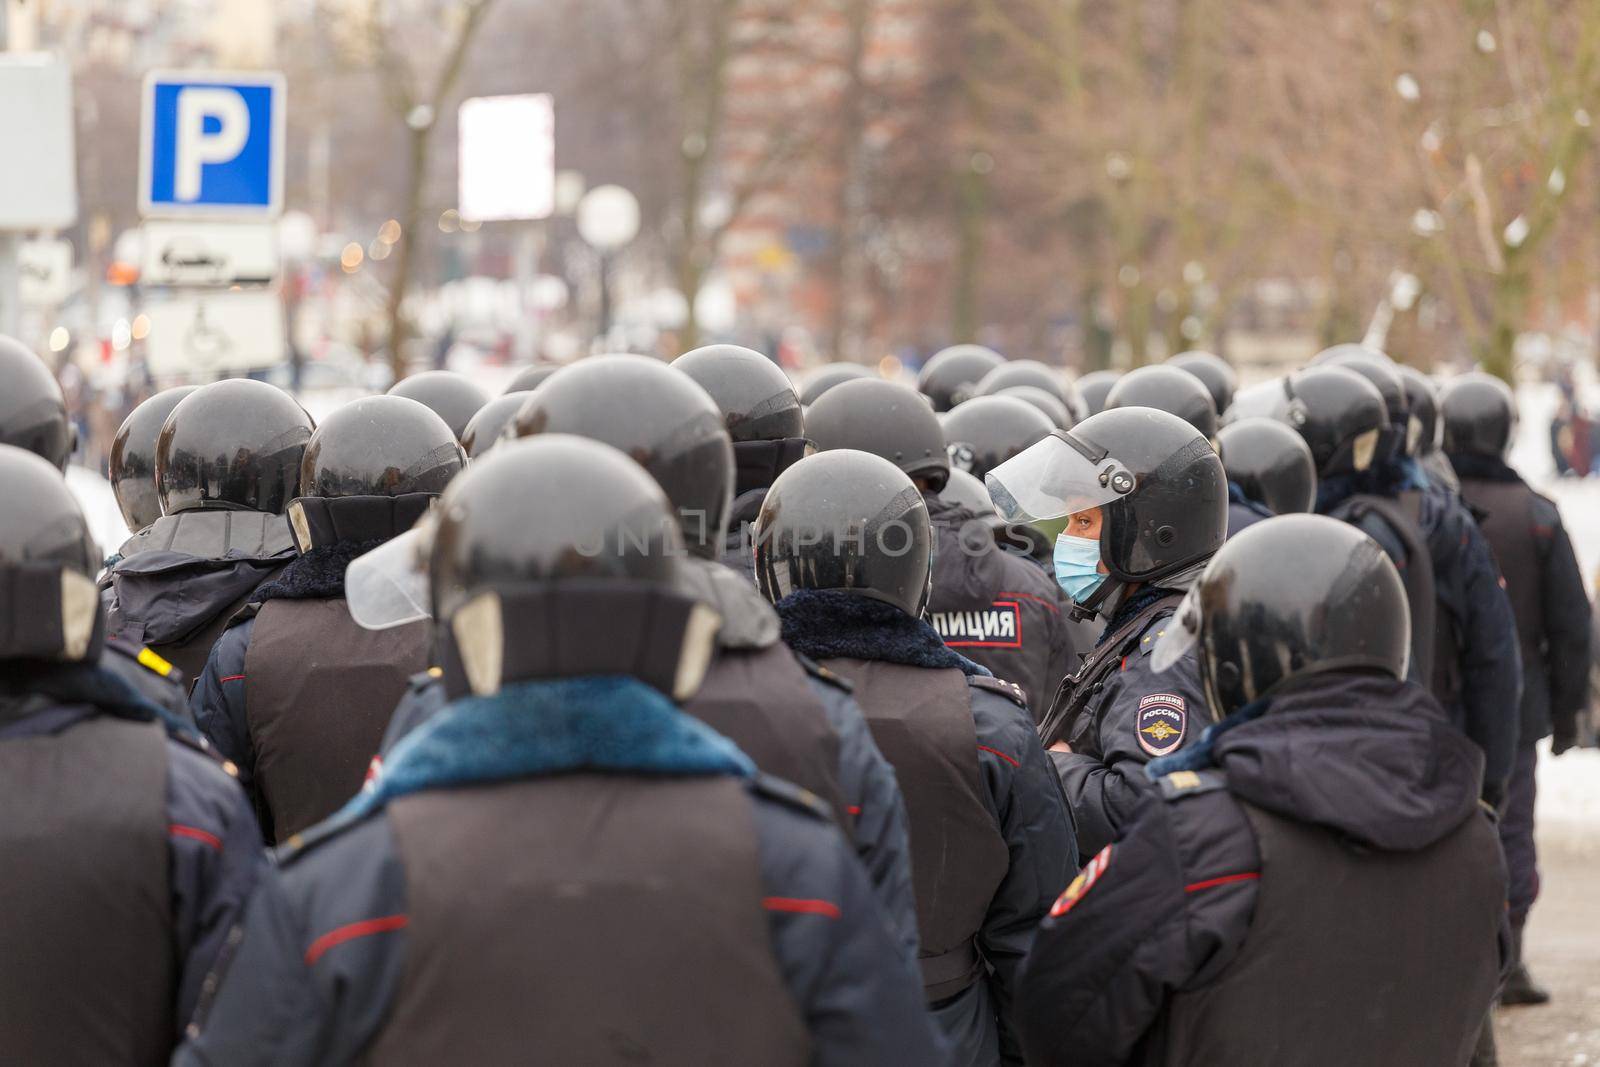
{"x": 819, "y": 380}
{"x": 849, "y": 521}
{"x": 233, "y": 445}
{"x": 1340, "y": 414}
{"x": 1381, "y": 371}
{"x": 1422, "y": 400}
{"x": 1480, "y": 416}
{"x": 1029, "y": 372}
{"x": 49, "y": 607}
{"x": 885, "y": 419}
{"x": 556, "y": 557}
{"x": 1094, "y": 387}
{"x": 759, "y": 406}
{"x": 1214, "y": 373}
{"x": 133, "y": 457}
{"x": 450, "y": 395}
{"x": 531, "y": 377}
{"x": 1169, "y": 389}
{"x": 1158, "y": 482}
{"x": 489, "y": 426}
{"x": 988, "y": 430}
{"x": 1271, "y": 463}
{"x": 951, "y": 374}
{"x": 1288, "y": 598}
{"x": 33, "y": 413}
{"x": 1053, "y": 409}
{"x": 659, "y": 418}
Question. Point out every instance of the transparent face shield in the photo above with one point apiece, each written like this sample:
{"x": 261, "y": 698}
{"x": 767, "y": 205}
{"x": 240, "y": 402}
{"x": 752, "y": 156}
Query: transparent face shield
{"x": 388, "y": 586}
{"x": 1182, "y": 633}
{"x": 1056, "y": 477}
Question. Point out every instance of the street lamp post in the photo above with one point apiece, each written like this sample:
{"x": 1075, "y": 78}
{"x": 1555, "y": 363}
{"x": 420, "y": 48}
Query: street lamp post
{"x": 608, "y": 218}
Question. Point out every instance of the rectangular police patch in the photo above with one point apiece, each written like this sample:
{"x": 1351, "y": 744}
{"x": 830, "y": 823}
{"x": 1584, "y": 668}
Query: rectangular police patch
{"x": 997, "y": 626}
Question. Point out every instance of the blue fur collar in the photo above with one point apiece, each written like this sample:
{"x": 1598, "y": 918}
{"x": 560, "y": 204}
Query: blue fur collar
{"x": 834, "y": 624}
{"x": 1200, "y": 756}
{"x": 547, "y": 727}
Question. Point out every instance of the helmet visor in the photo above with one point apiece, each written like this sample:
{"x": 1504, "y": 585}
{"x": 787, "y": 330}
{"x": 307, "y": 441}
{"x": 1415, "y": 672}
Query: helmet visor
{"x": 1055, "y": 477}
{"x": 1182, "y": 633}
{"x": 388, "y": 586}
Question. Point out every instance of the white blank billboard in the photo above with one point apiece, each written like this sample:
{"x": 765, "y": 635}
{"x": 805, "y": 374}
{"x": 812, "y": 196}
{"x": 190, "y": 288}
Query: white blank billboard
{"x": 507, "y": 157}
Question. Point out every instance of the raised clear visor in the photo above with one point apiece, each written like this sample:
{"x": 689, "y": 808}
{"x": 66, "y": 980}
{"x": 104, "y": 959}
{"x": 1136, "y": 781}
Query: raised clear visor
{"x": 388, "y": 586}
{"x": 1183, "y": 633}
{"x": 1057, "y": 476}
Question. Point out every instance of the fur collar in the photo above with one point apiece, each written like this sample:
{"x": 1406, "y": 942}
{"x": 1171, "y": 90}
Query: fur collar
{"x": 833, "y": 624}
{"x": 317, "y": 574}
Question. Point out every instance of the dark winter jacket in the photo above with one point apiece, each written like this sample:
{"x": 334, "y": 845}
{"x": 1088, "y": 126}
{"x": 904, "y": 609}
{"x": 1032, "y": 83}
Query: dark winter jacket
{"x": 181, "y": 579}
{"x": 1145, "y": 955}
{"x": 326, "y": 943}
{"x": 996, "y": 608}
{"x": 1243, "y": 512}
{"x": 57, "y": 726}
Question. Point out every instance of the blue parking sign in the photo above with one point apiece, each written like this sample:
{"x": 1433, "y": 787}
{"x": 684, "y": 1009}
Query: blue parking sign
{"x": 212, "y": 144}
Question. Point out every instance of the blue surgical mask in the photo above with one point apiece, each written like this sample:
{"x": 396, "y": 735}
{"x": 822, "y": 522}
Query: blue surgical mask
{"x": 1077, "y": 562}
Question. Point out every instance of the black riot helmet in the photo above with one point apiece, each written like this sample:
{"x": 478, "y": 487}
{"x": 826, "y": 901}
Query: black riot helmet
{"x": 49, "y": 607}
{"x": 133, "y": 457}
{"x": 1159, "y": 484}
{"x": 558, "y": 557}
{"x": 530, "y": 378}
{"x": 1271, "y": 463}
{"x": 1214, "y": 373}
{"x": 1029, "y": 372}
{"x": 759, "y": 406}
{"x": 1289, "y": 598}
{"x": 820, "y": 379}
{"x": 451, "y": 396}
{"x": 1480, "y": 416}
{"x": 486, "y": 428}
{"x": 657, "y": 416}
{"x": 951, "y": 374}
{"x": 1341, "y": 416}
{"x": 1168, "y": 389}
{"x": 33, "y": 413}
{"x": 1339, "y": 353}
{"x": 370, "y": 471}
{"x": 1379, "y": 369}
{"x": 232, "y": 445}
{"x": 886, "y": 419}
{"x": 1094, "y": 387}
{"x": 988, "y": 430}
{"x": 1422, "y": 401}
{"x": 850, "y": 521}
{"x": 1053, "y": 409}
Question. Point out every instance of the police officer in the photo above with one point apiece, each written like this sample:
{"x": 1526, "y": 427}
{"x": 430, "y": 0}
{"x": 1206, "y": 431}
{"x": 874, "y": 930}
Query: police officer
{"x": 844, "y": 549}
{"x": 227, "y": 464}
{"x": 295, "y": 693}
{"x": 986, "y": 431}
{"x": 451, "y": 396}
{"x": 1422, "y": 399}
{"x": 1316, "y": 881}
{"x": 1060, "y": 416}
{"x": 490, "y": 425}
{"x": 1553, "y": 624}
{"x": 127, "y": 849}
{"x": 1015, "y": 372}
{"x": 1094, "y": 387}
{"x": 1169, "y": 389}
{"x": 951, "y": 374}
{"x": 133, "y": 458}
{"x": 1138, "y": 501}
{"x": 531, "y": 377}
{"x": 1270, "y": 471}
{"x": 1214, "y": 373}
{"x": 761, "y": 412}
{"x": 560, "y": 863}
{"x": 996, "y": 608}
{"x": 819, "y": 380}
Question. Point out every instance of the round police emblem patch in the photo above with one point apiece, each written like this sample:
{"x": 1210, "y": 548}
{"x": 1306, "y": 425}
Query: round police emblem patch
{"x": 1083, "y": 883}
{"x": 1161, "y": 724}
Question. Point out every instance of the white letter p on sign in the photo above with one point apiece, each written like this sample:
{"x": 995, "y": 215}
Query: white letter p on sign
{"x": 196, "y": 147}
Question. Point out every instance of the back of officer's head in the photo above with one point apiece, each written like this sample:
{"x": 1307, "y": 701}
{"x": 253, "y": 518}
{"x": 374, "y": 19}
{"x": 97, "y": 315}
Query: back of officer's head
{"x": 1422, "y": 399}
{"x": 33, "y": 413}
{"x": 449, "y": 395}
{"x": 49, "y": 607}
{"x": 1288, "y": 599}
{"x": 370, "y": 471}
{"x": 1270, "y": 463}
{"x": 1171, "y": 389}
{"x": 848, "y": 521}
{"x": 1214, "y": 373}
{"x": 557, "y": 557}
{"x": 888, "y": 420}
{"x": 654, "y": 414}
{"x": 1341, "y": 416}
{"x": 760, "y": 409}
{"x": 492, "y": 423}
{"x": 1384, "y": 374}
{"x": 951, "y": 374}
{"x": 1095, "y": 387}
{"x": 133, "y": 457}
{"x": 1480, "y": 415}
{"x": 234, "y": 445}
{"x": 986, "y": 431}
{"x": 1015, "y": 372}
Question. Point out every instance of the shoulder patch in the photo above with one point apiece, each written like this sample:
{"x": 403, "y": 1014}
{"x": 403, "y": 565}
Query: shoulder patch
{"x": 1081, "y": 885}
{"x": 823, "y": 674}
{"x": 1156, "y": 631}
{"x": 790, "y": 795}
{"x": 1181, "y": 784}
{"x": 1010, "y": 690}
{"x": 1162, "y": 723}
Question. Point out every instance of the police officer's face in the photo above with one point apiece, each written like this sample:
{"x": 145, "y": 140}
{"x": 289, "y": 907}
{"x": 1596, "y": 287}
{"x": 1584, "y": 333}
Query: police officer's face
{"x": 1086, "y": 524}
